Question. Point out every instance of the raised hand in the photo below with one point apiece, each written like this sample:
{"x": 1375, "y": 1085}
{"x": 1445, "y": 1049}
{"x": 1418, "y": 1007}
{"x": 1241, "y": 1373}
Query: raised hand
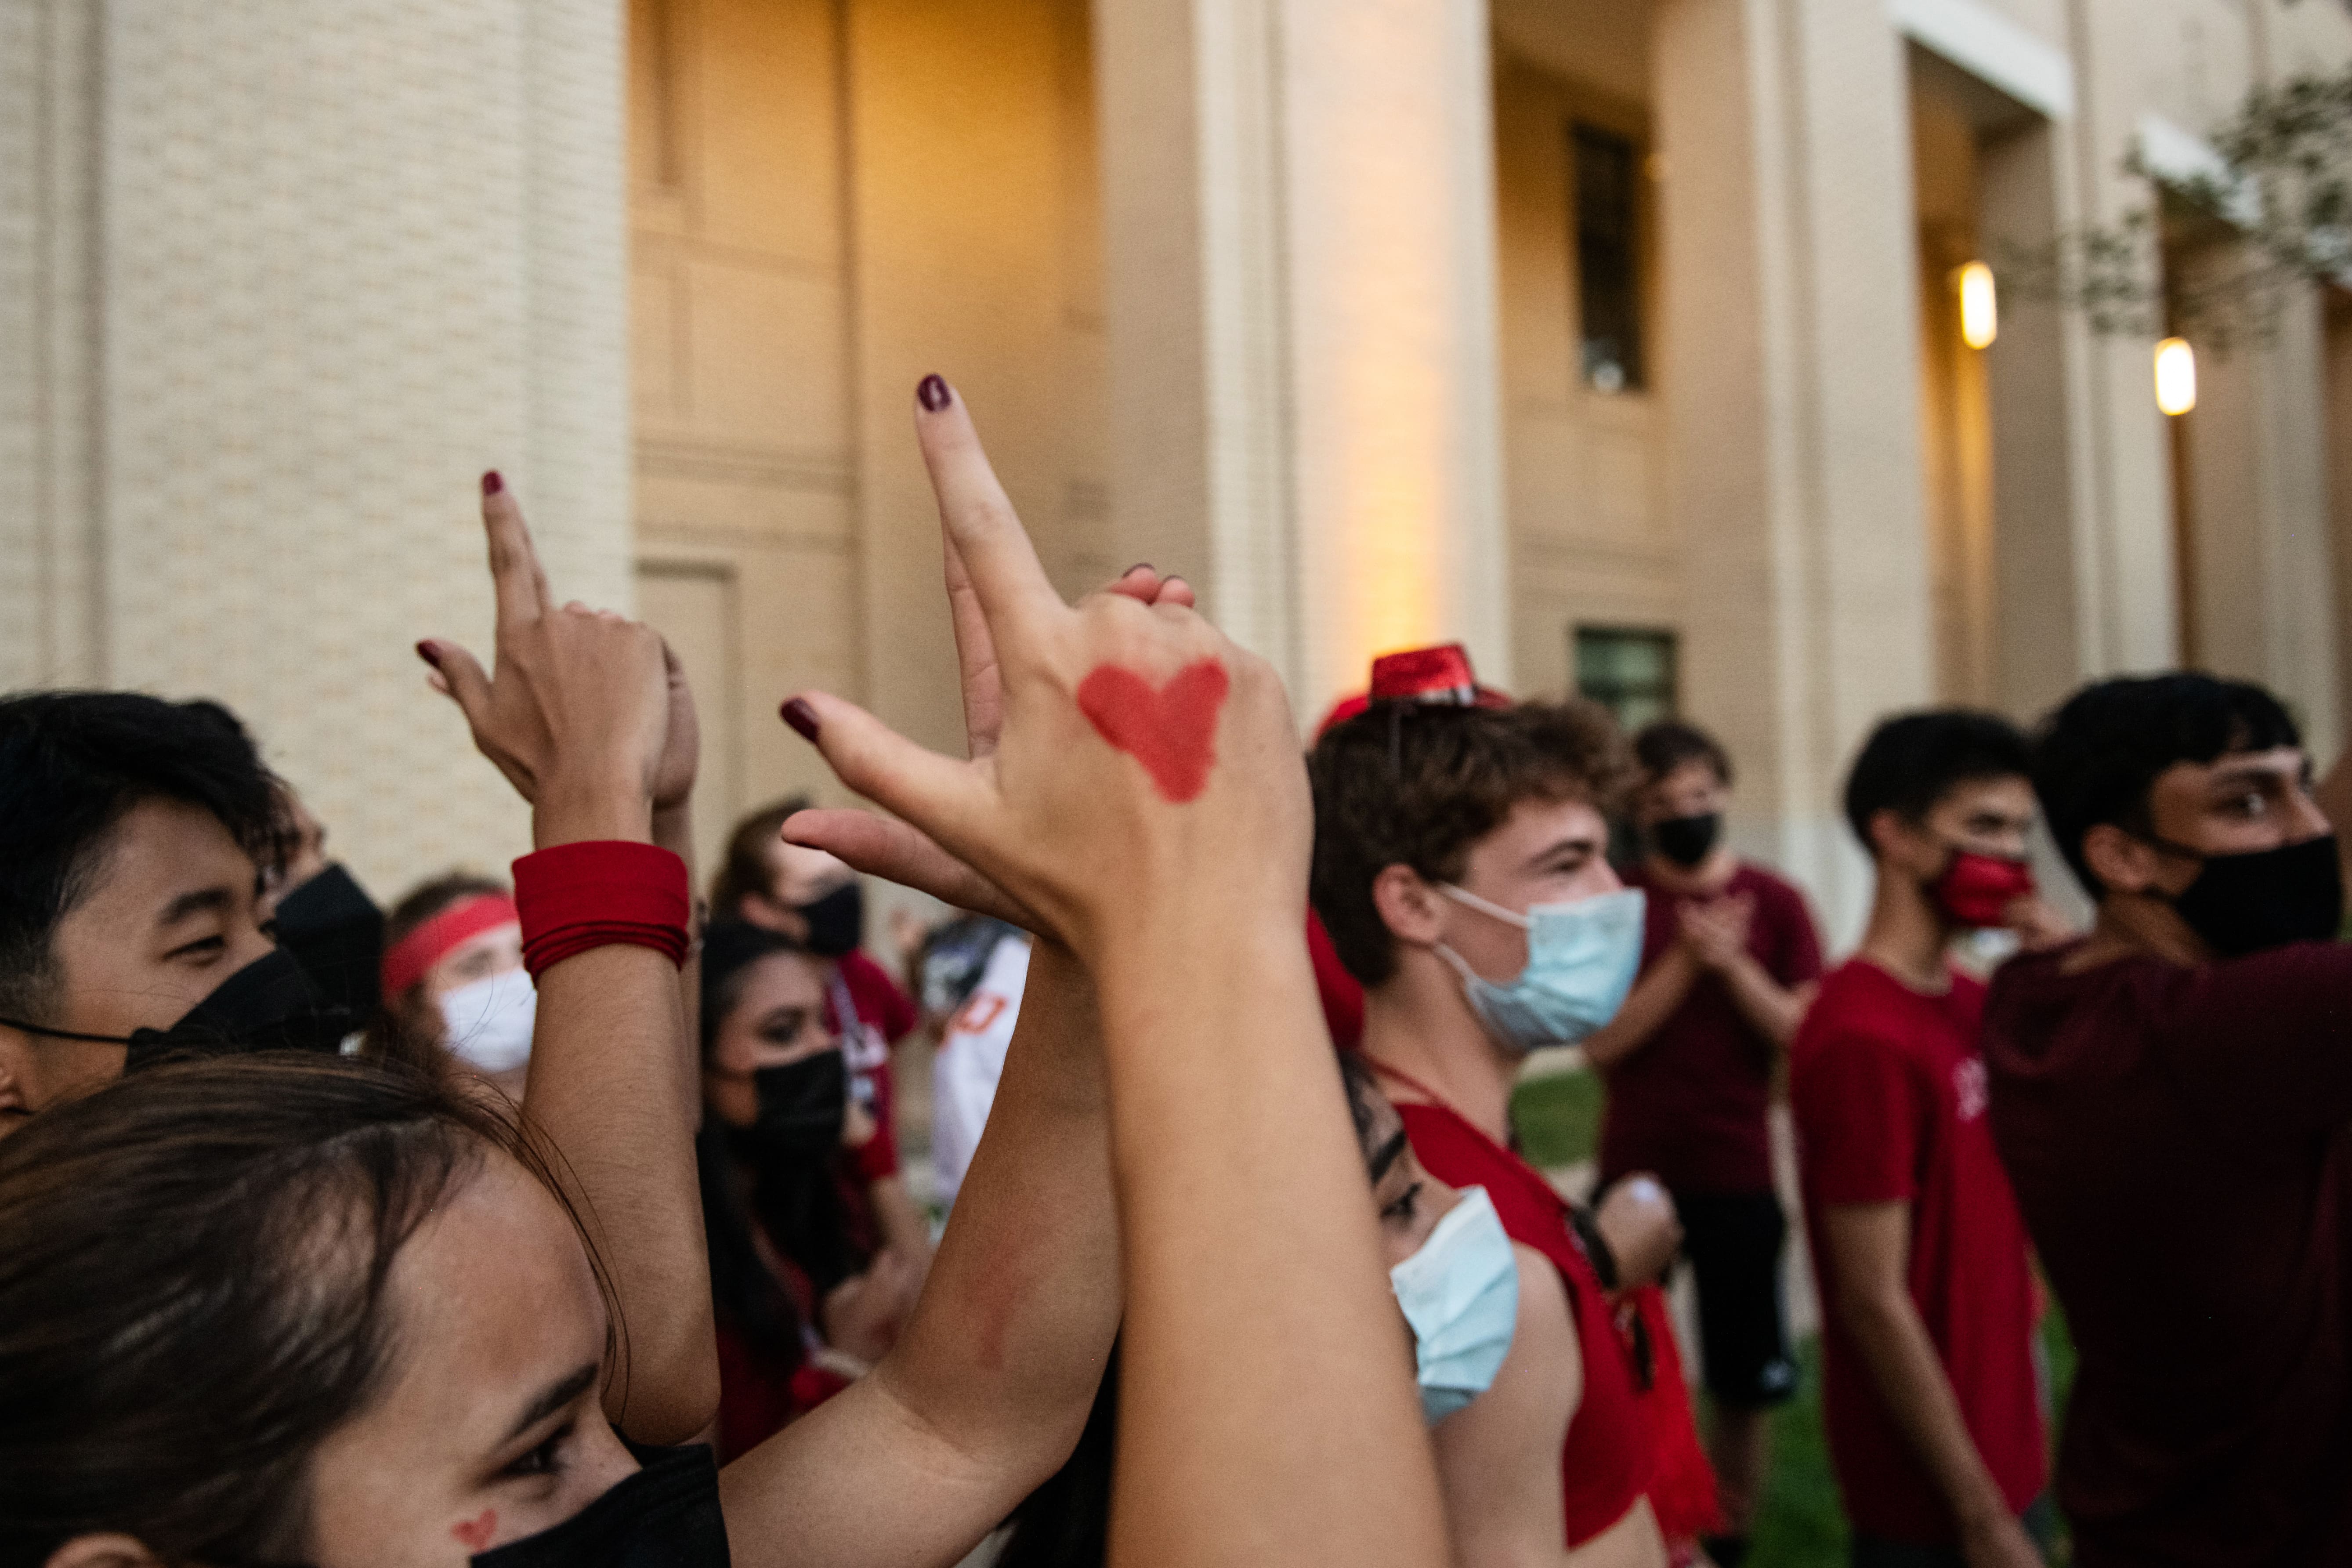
{"x": 1109, "y": 741}
{"x": 898, "y": 852}
{"x": 577, "y": 711}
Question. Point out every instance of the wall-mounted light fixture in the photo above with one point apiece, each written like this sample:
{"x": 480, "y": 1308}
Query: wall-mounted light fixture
{"x": 1979, "y": 306}
{"x": 2176, "y": 376}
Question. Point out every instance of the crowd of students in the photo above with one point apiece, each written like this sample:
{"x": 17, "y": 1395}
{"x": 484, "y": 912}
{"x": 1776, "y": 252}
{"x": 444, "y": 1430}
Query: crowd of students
{"x": 562, "y": 1219}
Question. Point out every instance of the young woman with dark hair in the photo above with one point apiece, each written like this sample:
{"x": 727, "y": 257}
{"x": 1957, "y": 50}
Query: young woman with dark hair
{"x": 810, "y": 1290}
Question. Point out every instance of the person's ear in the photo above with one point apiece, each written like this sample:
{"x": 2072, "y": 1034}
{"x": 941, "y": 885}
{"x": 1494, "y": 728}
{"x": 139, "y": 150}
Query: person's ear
{"x": 103, "y": 1552}
{"x": 1895, "y": 839}
{"x": 2120, "y": 862}
{"x": 1409, "y": 907}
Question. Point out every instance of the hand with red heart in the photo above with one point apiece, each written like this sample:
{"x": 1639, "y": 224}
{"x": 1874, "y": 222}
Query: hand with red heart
{"x": 900, "y": 852}
{"x": 1119, "y": 747}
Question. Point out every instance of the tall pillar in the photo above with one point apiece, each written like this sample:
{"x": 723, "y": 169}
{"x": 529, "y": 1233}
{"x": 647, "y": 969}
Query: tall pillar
{"x": 1300, "y": 245}
{"x": 1791, "y": 385}
{"x": 2259, "y": 559}
{"x": 310, "y": 268}
{"x": 2049, "y": 630}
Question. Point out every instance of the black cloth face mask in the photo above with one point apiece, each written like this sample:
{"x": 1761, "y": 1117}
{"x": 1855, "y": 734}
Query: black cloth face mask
{"x": 836, "y": 922}
{"x": 1686, "y": 840}
{"x": 664, "y": 1516}
{"x": 270, "y": 1005}
{"x": 802, "y": 1107}
{"x": 2263, "y": 898}
{"x": 336, "y": 933}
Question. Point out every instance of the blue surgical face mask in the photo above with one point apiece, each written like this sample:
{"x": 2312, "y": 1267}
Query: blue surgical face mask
{"x": 1461, "y": 1294}
{"x": 1581, "y": 959}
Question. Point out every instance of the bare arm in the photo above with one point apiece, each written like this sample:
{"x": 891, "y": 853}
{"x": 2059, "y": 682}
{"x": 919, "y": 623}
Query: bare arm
{"x": 1648, "y": 1005}
{"x": 990, "y": 1384}
{"x": 1498, "y": 1458}
{"x": 1869, "y": 1245}
{"x": 577, "y": 717}
{"x": 1772, "y": 1010}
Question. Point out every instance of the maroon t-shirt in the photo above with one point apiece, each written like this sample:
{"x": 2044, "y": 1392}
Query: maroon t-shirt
{"x": 1689, "y": 1105}
{"x": 2176, "y": 1139}
{"x": 1889, "y": 1093}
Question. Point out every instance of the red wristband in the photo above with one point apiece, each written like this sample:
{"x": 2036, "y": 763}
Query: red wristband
{"x": 575, "y": 896}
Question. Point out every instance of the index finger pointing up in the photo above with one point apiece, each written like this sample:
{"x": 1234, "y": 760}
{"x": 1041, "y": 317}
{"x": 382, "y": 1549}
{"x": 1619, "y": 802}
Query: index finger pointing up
{"x": 978, "y": 518}
{"x": 516, "y": 575}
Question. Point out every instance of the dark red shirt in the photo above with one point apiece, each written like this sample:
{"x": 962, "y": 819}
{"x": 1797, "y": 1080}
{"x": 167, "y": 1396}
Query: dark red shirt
{"x": 1889, "y": 1091}
{"x": 2176, "y": 1138}
{"x": 1605, "y": 1465}
{"x": 1689, "y": 1105}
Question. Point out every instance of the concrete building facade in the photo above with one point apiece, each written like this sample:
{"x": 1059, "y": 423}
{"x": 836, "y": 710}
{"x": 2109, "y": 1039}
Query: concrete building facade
{"x": 1618, "y": 339}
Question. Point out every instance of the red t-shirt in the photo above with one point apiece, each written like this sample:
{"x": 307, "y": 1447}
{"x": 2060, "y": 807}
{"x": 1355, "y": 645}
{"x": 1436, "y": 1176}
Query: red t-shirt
{"x": 885, "y": 1013}
{"x": 1605, "y": 1464}
{"x": 1689, "y": 1105}
{"x": 2177, "y": 1139}
{"x": 1889, "y": 1091}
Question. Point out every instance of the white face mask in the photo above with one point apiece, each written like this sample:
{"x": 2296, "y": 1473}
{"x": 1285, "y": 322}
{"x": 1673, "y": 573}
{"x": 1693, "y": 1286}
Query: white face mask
{"x": 488, "y": 1023}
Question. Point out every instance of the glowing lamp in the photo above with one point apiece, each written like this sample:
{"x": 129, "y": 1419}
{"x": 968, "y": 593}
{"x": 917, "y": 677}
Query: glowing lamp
{"x": 2176, "y": 376}
{"x": 1979, "y": 306}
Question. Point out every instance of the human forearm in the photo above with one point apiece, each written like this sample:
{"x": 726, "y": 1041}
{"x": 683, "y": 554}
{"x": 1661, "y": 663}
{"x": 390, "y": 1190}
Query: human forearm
{"x": 1651, "y": 1003}
{"x": 611, "y": 1087}
{"x": 1903, "y": 1367}
{"x": 603, "y": 1090}
{"x": 1770, "y": 1008}
{"x": 1242, "y": 1197}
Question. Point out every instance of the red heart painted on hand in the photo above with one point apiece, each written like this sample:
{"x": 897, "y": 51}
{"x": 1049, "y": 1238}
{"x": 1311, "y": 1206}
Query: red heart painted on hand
{"x": 1172, "y": 731}
{"x": 475, "y": 1534}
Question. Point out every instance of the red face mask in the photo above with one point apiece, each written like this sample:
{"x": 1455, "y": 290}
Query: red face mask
{"x": 1977, "y": 889}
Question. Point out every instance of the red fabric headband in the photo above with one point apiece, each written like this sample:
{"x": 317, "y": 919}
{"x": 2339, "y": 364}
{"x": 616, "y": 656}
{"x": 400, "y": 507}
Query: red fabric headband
{"x": 415, "y": 954}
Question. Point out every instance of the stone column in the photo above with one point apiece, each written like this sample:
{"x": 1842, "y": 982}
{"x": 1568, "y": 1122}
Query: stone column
{"x": 1791, "y": 385}
{"x": 313, "y": 266}
{"x": 2259, "y": 559}
{"x": 1300, "y": 234}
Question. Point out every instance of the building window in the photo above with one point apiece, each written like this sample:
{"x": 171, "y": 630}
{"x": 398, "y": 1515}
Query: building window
{"x": 1608, "y": 276}
{"x": 1631, "y": 672}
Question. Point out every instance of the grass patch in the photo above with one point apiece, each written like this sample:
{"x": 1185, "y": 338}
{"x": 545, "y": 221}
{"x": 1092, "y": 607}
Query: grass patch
{"x": 1558, "y": 1119}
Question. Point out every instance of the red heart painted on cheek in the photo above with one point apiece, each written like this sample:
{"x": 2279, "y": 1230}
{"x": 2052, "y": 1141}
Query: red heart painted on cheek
{"x": 1172, "y": 732}
{"x": 474, "y": 1533}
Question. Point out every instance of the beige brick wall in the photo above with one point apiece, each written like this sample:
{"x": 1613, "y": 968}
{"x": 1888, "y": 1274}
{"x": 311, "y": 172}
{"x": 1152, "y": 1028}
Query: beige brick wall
{"x": 346, "y": 256}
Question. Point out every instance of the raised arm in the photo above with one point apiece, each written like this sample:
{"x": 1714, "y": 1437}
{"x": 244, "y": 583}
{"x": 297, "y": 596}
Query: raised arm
{"x": 1147, "y": 803}
{"x": 576, "y": 715}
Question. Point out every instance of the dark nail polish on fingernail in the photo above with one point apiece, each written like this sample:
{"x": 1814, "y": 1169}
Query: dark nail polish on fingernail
{"x": 1139, "y": 566}
{"x": 491, "y": 483}
{"x": 803, "y": 718}
{"x": 932, "y": 393}
{"x": 424, "y": 651}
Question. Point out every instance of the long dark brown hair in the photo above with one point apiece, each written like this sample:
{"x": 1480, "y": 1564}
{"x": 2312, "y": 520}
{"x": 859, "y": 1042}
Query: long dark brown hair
{"x": 193, "y": 1263}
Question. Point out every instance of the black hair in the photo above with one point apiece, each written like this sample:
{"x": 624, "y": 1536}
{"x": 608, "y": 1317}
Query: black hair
{"x": 1662, "y": 747}
{"x": 1913, "y": 760}
{"x": 2095, "y": 757}
{"x": 194, "y": 1272}
{"x": 71, "y": 765}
